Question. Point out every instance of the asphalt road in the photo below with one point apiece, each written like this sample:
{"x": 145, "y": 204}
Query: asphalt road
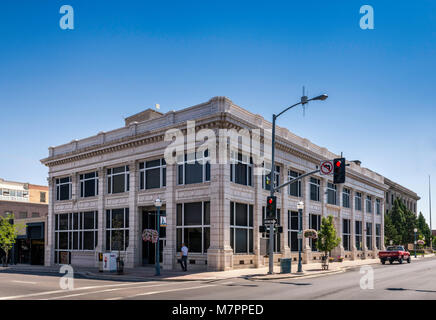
{"x": 406, "y": 281}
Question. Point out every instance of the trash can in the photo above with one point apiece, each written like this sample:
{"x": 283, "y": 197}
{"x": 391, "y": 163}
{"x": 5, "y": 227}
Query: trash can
{"x": 285, "y": 265}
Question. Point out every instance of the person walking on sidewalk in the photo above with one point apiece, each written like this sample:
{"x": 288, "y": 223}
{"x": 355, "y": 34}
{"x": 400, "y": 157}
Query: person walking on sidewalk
{"x": 184, "y": 257}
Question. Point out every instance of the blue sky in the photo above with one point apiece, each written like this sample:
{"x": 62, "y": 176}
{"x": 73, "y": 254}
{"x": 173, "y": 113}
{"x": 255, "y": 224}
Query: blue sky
{"x": 124, "y": 56}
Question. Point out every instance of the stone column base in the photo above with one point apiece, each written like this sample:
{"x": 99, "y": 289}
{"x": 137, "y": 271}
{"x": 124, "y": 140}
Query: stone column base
{"x": 306, "y": 255}
{"x": 220, "y": 259}
{"x": 353, "y": 253}
{"x": 169, "y": 258}
{"x": 286, "y": 253}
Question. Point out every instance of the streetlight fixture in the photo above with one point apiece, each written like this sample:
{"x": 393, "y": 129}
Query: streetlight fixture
{"x": 300, "y": 207}
{"x": 303, "y": 101}
{"x": 158, "y": 204}
{"x": 415, "y": 230}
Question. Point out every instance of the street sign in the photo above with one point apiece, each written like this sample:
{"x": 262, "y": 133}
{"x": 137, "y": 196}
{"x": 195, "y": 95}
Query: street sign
{"x": 326, "y": 167}
{"x": 269, "y": 221}
{"x": 300, "y": 235}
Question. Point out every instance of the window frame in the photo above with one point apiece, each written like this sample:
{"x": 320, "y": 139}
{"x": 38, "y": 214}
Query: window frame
{"x": 358, "y": 201}
{"x": 346, "y": 194}
{"x": 59, "y": 185}
{"x": 234, "y": 227}
{"x": 82, "y": 183}
{"x": 110, "y": 179}
{"x": 291, "y": 175}
{"x": 143, "y": 173}
{"x": 315, "y": 183}
{"x": 124, "y": 228}
{"x": 332, "y": 191}
{"x": 238, "y": 158}
{"x": 205, "y": 167}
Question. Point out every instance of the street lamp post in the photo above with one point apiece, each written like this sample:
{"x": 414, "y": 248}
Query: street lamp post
{"x": 415, "y": 230}
{"x": 158, "y": 204}
{"x": 303, "y": 101}
{"x": 300, "y": 207}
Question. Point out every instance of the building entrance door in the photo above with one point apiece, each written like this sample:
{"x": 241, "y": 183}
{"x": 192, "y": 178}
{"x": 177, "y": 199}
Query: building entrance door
{"x": 149, "y": 221}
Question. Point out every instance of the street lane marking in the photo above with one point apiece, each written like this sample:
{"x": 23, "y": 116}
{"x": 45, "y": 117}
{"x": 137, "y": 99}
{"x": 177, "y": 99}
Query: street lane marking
{"x": 162, "y": 291}
{"x": 27, "y": 282}
{"x": 106, "y": 290}
{"x": 64, "y": 291}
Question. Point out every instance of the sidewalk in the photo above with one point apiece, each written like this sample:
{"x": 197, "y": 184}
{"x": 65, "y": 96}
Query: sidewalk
{"x": 148, "y": 273}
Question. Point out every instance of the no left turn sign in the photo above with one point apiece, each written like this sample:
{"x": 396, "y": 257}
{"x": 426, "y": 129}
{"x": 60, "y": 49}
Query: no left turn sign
{"x": 326, "y": 167}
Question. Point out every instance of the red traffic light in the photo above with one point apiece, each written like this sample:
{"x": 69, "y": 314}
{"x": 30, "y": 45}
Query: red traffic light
{"x": 338, "y": 164}
{"x": 270, "y": 200}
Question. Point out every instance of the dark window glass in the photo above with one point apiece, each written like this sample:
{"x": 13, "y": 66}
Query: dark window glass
{"x": 88, "y": 240}
{"x": 180, "y": 174}
{"x": 250, "y": 215}
{"x": 88, "y": 221}
{"x": 64, "y": 192}
{"x": 206, "y": 219}
{"x": 90, "y": 188}
{"x": 164, "y": 177}
{"x": 63, "y": 240}
{"x": 152, "y": 178}
{"x": 141, "y": 180}
{"x": 179, "y": 215}
{"x": 206, "y": 239}
{"x": 241, "y": 214}
{"x": 241, "y": 240}
{"x": 118, "y": 218}
{"x": 118, "y": 183}
{"x": 192, "y": 213}
{"x": 193, "y": 172}
{"x": 63, "y": 222}
{"x": 193, "y": 239}
{"x": 152, "y": 163}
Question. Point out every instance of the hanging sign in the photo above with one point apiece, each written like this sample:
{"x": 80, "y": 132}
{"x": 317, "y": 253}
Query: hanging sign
{"x": 163, "y": 221}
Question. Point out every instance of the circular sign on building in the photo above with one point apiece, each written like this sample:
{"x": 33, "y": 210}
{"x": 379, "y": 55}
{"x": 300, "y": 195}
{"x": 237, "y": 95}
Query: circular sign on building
{"x": 326, "y": 167}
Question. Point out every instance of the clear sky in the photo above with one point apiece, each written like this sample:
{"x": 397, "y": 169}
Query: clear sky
{"x": 124, "y": 56}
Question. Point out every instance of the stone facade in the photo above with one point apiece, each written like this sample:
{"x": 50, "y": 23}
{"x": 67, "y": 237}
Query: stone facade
{"x": 144, "y": 140}
{"x": 396, "y": 191}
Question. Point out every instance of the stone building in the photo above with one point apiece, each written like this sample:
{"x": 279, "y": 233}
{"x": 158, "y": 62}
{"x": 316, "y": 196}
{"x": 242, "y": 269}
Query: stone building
{"x": 396, "y": 191}
{"x": 103, "y": 188}
{"x": 29, "y": 205}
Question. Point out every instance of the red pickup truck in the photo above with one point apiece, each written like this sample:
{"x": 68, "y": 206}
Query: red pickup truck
{"x": 394, "y": 253}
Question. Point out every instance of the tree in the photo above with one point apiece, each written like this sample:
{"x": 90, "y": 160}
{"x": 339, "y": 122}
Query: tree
{"x": 423, "y": 228}
{"x": 8, "y": 234}
{"x": 390, "y": 231}
{"x": 327, "y": 239}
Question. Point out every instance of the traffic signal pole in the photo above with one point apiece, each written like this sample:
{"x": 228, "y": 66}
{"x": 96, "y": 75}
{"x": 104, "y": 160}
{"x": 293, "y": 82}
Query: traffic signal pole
{"x": 303, "y": 101}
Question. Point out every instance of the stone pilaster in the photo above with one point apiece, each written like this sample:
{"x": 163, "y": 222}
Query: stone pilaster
{"x": 382, "y": 227}
{"x": 101, "y": 241}
{"x": 285, "y": 250}
{"x": 364, "y": 247}
{"x": 307, "y": 250}
{"x": 257, "y": 216}
{"x": 133, "y": 251}
{"x": 353, "y": 224}
{"x": 220, "y": 253}
{"x": 169, "y": 251}
{"x": 49, "y": 248}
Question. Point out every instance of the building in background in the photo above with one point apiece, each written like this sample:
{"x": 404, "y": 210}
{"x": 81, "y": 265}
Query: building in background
{"x": 29, "y": 205}
{"x": 396, "y": 191}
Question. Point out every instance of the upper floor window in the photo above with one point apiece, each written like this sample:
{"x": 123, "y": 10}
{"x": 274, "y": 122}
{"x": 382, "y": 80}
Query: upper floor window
{"x": 88, "y": 184}
{"x": 294, "y": 188}
{"x": 152, "y": 174}
{"x": 346, "y": 197}
{"x": 331, "y": 193}
{"x": 63, "y": 189}
{"x": 118, "y": 179}
{"x": 42, "y": 197}
{"x": 241, "y": 169}
{"x": 314, "y": 189}
{"x": 194, "y": 169}
{"x": 358, "y": 201}
{"x": 387, "y": 198}
{"x": 378, "y": 206}
{"x": 266, "y": 179}
{"x": 368, "y": 204}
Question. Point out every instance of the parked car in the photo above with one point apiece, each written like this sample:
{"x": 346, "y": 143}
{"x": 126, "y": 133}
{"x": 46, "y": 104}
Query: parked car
{"x": 394, "y": 253}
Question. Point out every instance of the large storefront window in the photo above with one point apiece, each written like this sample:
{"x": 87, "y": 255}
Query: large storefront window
{"x": 346, "y": 234}
{"x": 331, "y": 193}
{"x": 118, "y": 179}
{"x": 63, "y": 189}
{"x": 378, "y": 236}
{"x": 193, "y": 168}
{"x": 294, "y": 188}
{"x": 152, "y": 174}
{"x": 369, "y": 235}
{"x": 293, "y": 229}
{"x": 358, "y": 232}
{"x": 276, "y": 235}
{"x": 314, "y": 189}
{"x": 241, "y": 227}
{"x": 76, "y": 231}
{"x": 117, "y": 229}
{"x": 241, "y": 169}
{"x": 314, "y": 223}
{"x": 193, "y": 226}
{"x": 88, "y": 184}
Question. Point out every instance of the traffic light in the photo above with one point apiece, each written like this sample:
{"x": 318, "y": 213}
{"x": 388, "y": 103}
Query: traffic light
{"x": 339, "y": 170}
{"x": 271, "y": 205}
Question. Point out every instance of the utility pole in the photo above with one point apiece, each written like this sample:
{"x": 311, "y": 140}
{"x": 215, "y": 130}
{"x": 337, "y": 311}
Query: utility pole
{"x": 429, "y": 202}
